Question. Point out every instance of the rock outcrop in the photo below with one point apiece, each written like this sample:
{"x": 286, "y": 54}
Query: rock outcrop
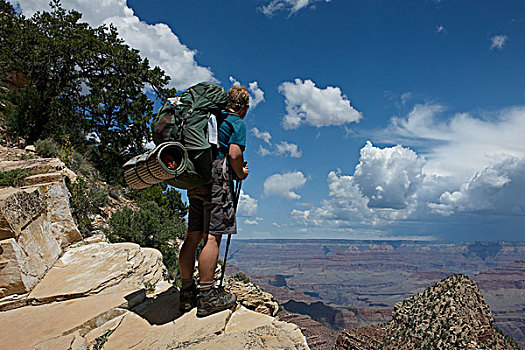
{"x": 450, "y": 315}
{"x": 252, "y": 296}
{"x": 35, "y": 227}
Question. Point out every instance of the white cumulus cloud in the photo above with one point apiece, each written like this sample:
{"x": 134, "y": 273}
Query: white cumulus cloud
{"x": 157, "y": 42}
{"x": 382, "y": 189}
{"x": 388, "y": 177}
{"x": 263, "y": 135}
{"x": 499, "y": 188}
{"x": 473, "y": 164}
{"x": 247, "y": 206}
{"x": 256, "y": 94}
{"x": 282, "y": 185}
{"x": 264, "y": 151}
{"x": 284, "y": 148}
{"x": 254, "y": 221}
{"x": 441, "y": 29}
{"x": 291, "y": 6}
{"x": 308, "y": 104}
{"x": 498, "y": 41}
{"x": 234, "y": 81}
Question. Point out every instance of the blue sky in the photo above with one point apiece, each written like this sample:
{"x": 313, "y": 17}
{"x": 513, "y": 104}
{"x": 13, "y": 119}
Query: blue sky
{"x": 372, "y": 119}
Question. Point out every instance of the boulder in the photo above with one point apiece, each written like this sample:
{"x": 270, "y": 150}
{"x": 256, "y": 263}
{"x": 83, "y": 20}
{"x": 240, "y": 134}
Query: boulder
{"x": 40, "y": 326}
{"x": 90, "y": 298}
{"x": 35, "y": 225}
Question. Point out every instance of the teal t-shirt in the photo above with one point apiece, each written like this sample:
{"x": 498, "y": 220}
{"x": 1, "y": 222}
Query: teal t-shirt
{"x": 231, "y": 131}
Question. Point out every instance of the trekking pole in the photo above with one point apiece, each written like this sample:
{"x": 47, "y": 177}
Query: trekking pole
{"x": 237, "y": 194}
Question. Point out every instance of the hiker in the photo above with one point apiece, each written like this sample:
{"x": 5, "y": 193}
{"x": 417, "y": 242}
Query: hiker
{"x": 212, "y": 213}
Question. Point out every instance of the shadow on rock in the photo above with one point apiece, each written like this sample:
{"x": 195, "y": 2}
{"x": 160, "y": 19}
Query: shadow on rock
{"x": 157, "y": 310}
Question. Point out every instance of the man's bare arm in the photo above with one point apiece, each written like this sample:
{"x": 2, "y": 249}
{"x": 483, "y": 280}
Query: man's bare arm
{"x": 237, "y": 161}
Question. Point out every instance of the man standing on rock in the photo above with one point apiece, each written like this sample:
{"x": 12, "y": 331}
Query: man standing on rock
{"x": 212, "y": 212}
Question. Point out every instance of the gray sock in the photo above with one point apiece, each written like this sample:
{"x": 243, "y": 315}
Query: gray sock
{"x": 186, "y": 283}
{"x": 205, "y": 287}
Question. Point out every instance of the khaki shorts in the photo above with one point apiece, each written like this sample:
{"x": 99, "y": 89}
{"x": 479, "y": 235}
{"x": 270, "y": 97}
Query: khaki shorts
{"x": 212, "y": 209}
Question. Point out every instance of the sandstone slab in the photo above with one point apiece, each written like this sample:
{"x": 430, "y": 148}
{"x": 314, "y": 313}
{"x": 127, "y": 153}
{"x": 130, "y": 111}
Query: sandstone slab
{"x": 243, "y": 320}
{"x": 42, "y": 178}
{"x": 249, "y": 330}
{"x": 27, "y": 259}
{"x": 12, "y": 279}
{"x": 29, "y": 326}
{"x": 34, "y": 166}
{"x": 92, "y": 268}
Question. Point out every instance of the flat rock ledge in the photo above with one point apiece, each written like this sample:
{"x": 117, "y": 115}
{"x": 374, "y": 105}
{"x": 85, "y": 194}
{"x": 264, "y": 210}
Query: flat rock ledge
{"x": 116, "y": 296}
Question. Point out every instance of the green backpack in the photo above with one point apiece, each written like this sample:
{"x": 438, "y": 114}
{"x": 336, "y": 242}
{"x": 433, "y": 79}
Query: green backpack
{"x": 184, "y": 119}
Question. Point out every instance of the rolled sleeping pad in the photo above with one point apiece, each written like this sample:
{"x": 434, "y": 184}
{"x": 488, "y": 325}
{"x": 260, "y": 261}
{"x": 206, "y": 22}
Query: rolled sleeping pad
{"x": 168, "y": 160}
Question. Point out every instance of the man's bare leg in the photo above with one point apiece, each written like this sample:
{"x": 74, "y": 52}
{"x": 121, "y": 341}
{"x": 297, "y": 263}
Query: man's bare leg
{"x": 187, "y": 254}
{"x": 208, "y": 258}
{"x": 211, "y": 299}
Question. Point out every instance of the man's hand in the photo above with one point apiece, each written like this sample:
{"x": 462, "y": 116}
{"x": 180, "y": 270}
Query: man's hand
{"x": 245, "y": 170}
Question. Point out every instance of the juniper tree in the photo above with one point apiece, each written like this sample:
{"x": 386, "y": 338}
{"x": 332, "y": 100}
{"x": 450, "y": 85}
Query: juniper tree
{"x": 64, "y": 77}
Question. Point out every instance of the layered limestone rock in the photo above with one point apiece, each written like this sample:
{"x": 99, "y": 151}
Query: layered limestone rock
{"x": 248, "y": 294}
{"x": 35, "y": 225}
{"x": 28, "y": 249}
{"x": 63, "y": 227}
{"x": 36, "y": 166}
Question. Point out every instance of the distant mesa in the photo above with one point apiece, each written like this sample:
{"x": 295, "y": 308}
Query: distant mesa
{"x": 352, "y": 249}
{"x": 383, "y": 247}
{"x": 452, "y": 314}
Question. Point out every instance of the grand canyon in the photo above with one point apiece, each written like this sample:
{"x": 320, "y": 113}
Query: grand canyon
{"x": 330, "y": 285}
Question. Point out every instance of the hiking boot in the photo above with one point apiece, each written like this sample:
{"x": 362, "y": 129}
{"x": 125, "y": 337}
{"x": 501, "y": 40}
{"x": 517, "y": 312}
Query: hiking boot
{"x": 188, "y": 298}
{"x": 214, "y": 301}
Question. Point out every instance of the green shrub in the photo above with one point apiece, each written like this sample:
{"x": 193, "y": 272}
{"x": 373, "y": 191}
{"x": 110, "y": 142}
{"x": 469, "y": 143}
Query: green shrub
{"x": 166, "y": 197}
{"x": 241, "y": 276}
{"x": 26, "y": 156}
{"x": 67, "y": 154}
{"x": 46, "y": 148}
{"x": 12, "y": 177}
{"x": 151, "y": 226}
{"x": 101, "y": 340}
{"x": 85, "y": 200}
